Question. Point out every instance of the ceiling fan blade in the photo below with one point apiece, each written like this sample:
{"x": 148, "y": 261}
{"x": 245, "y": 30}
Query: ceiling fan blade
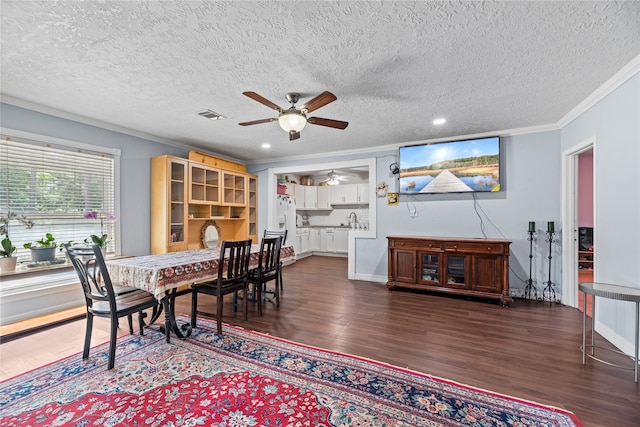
{"x": 293, "y": 136}
{"x": 263, "y": 100}
{"x": 319, "y": 101}
{"x": 337, "y": 124}
{"x": 257, "y": 122}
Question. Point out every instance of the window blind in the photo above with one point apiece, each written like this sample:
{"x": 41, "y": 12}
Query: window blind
{"x": 55, "y": 187}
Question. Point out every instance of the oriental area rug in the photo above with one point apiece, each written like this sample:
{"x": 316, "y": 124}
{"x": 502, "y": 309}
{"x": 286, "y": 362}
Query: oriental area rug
{"x": 245, "y": 378}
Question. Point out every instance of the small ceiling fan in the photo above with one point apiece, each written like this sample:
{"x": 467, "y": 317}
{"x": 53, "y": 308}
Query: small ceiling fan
{"x": 333, "y": 178}
{"x": 293, "y": 119}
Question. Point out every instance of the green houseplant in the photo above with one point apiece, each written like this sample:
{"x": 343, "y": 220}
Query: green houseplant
{"x": 44, "y": 249}
{"x": 8, "y": 259}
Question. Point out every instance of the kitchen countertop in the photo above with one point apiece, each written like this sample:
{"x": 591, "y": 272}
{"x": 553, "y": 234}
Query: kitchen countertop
{"x": 325, "y": 226}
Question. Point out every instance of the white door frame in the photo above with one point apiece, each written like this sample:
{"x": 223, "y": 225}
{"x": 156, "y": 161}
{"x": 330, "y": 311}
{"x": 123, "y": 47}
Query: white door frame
{"x": 570, "y": 218}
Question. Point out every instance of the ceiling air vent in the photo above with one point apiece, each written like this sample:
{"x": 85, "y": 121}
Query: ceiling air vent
{"x": 209, "y": 114}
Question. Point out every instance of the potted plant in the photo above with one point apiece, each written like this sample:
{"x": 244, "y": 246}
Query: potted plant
{"x": 99, "y": 239}
{"x": 44, "y": 249}
{"x": 8, "y": 258}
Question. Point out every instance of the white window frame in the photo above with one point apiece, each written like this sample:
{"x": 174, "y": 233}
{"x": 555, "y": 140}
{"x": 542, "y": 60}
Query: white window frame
{"x": 39, "y": 280}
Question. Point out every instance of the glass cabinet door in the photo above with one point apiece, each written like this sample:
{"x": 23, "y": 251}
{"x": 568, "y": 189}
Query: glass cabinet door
{"x": 177, "y": 200}
{"x": 457, "y": 271}
{"x": 233, "y": 191}
{"x": 430, "y": 268}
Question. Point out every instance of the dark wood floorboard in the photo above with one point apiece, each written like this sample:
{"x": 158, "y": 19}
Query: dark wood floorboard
{"x": 529, "y": 350}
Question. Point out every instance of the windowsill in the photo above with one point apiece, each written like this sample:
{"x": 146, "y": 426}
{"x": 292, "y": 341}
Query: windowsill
{"x": 26, "y": 268}
{"x": 29, "y": 277}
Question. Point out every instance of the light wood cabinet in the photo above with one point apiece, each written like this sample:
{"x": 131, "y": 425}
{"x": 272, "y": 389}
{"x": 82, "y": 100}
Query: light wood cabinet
{"x": 185, "y": 194}
{"x": 234, "y": 189}
{"x": 204, "y": 184}
{"x": 169, "y": 225}
{"x": 253, "y": 207}
{"x": 471, "y": 267}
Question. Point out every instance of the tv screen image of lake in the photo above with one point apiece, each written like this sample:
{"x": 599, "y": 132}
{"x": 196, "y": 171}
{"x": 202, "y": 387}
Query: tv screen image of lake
{"x": 450, "y": 167}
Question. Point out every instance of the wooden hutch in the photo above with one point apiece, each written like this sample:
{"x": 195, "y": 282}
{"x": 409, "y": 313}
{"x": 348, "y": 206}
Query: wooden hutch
{"x": 471, "y": 267}
{"x": 187, "y": 193}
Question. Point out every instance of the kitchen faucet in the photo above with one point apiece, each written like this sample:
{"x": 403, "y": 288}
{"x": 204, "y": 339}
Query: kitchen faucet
{"x": 353, "y": 218}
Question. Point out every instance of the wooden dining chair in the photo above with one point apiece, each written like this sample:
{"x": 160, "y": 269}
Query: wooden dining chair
{"x": 101, "y": 299}
{"x": 267, "y": 270}
{"x": 283, "y": 237}
{"x": 233, "y": 269}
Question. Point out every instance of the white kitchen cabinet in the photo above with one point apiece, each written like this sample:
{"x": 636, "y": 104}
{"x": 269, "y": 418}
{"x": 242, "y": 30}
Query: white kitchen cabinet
{"x": 341, "y": 240}
{"x": 314, "y": 239}
{"x": 310, "y": 197}
{"x": 330, "y": 243}
{"x": 301, "y": 196}
{"x": 304, "y": 240}
{"x": 291, "y": 189}
{"x": 346, "y": 194}
{"x": 323, "y": 239}
{"x": 324, "y": 197}
{"x": 337, "y": 240}
{"x": 297, "y": 244}
{"x": 363, "y": 193}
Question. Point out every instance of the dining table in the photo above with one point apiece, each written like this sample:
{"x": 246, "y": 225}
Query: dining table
{"x": 163, "y": 274}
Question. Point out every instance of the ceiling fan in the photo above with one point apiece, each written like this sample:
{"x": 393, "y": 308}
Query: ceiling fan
{"x": 333, "y": 178}
{"x": 293, "y": 119}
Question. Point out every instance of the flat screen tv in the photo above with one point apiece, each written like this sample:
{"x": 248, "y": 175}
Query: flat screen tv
{"x": 471, "y": 165}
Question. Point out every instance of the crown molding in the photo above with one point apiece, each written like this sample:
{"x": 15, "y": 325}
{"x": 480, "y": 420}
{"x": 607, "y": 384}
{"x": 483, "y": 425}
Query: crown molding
{"x": 17, "y": 102}
{"x": 628, "y": 71}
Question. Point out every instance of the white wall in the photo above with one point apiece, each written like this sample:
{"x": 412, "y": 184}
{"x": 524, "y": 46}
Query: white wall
{"x": 614, "y": 123}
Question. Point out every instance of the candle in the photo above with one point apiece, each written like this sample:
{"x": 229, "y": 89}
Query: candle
{"x": 532, "y": 226}
{"x": 550, "y": 227}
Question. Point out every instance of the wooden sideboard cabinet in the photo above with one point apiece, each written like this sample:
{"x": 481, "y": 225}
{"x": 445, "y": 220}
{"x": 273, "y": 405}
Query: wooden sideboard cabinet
{"x": 471, "y": 267}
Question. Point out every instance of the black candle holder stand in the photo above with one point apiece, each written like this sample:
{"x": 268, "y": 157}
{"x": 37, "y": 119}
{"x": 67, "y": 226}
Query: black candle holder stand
{"x": 531, "y": 288}
{"x": 549, "y": 288}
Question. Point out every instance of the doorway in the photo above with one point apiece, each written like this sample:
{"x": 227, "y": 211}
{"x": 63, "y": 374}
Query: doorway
{"x": 579, "y": 214}
{"x": 586, "y": 253}
{"x": 369, "y": 164}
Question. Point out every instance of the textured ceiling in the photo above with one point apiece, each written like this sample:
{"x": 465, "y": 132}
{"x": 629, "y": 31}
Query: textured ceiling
{"x": 394, "y": 66}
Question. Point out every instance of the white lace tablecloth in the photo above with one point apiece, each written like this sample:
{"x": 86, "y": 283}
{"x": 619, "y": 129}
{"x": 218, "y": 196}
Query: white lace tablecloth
{"x": 163, "y": 272}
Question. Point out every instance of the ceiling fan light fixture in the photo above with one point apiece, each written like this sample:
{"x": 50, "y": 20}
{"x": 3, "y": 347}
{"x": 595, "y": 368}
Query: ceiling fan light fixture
{"x": 292, "y": 120}
{"x": 333, "y": 178}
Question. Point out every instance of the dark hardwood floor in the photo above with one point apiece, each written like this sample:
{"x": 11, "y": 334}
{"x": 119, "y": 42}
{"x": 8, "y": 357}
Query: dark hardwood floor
{"x": 529, "y": 350}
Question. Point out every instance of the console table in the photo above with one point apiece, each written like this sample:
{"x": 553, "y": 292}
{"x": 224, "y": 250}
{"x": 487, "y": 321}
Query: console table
{"x": 471, "y": 267}
{"x": 616, "y": 292}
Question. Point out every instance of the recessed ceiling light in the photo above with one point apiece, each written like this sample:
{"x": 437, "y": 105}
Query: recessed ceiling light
{"x": 440, "y": 121}
{"x": 265, "y": 145}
